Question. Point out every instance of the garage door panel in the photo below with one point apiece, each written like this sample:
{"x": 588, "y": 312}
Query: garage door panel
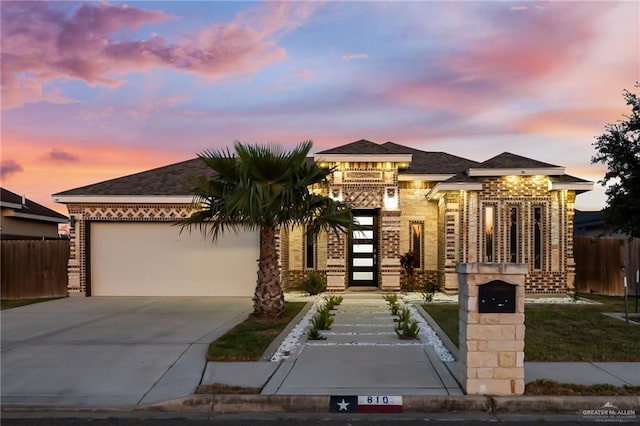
{"x": 155, "y": 259}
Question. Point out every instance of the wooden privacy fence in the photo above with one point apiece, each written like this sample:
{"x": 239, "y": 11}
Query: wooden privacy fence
{"x": 34, "y": 268}
{"x": 603, "y": 262}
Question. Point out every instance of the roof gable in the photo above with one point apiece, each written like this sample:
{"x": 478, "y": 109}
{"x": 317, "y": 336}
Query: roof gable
{"x": 506, "y": 164}
{"x": 362, "y": 146}
{"x": 507, "y": 160}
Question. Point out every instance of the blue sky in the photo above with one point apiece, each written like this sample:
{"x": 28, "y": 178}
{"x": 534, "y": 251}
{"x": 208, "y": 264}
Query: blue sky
{"x": 97, "y": 90}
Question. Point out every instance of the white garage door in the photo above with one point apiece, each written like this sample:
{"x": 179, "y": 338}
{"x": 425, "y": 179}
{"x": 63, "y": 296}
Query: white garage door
{"x": 154, "y": 259}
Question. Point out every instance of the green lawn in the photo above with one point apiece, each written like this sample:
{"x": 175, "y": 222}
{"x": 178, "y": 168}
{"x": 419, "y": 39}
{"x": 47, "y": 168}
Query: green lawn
{"x": 8, "y": 304}
{"x": 249, "y": 340}
{"x": 556, "y": 332}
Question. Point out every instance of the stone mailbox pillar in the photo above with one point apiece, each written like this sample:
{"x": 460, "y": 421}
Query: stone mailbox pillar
{"x": 491, "y": 351}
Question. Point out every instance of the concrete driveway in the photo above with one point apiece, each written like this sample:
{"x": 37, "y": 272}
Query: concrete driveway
{"x": 110, "y": 351}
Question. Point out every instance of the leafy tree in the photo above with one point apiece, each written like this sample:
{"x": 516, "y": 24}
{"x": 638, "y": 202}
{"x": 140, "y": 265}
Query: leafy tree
{"x": 619, "y": 149}
{"x": 262, "y": 187}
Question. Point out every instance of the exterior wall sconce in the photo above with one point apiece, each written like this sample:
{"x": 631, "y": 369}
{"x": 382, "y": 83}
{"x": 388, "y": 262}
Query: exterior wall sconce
{"x": 335, "y": 193}
{"x": 391, "y": 197}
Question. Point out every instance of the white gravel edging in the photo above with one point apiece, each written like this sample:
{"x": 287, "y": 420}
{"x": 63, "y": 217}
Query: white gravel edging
{"x": 430, "y": 335}
{"x": 291, "y": 341}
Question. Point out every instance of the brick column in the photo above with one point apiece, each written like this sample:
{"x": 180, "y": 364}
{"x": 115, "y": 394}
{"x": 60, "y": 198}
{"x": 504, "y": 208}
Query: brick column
{"x": 451, "y": 242}
{"x": 389, "y": 256}
{"x": 491, "y": 344}
{"x": 336, "y": 262}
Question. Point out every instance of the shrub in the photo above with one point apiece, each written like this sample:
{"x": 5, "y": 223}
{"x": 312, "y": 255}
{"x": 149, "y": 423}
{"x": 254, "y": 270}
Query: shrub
{"x": 314, "y": 334}
{"x": 408, "y": 261}
{"x": 428, "y": 290}
{"x": 333, "y": 300}
{"x": 313, "y": 283}
{"x": 391, "y": 298}
{"x": 404, "y": 315}
{"x": 407, "y": 330}
{"x": 395, "y": 308}
{"x": 322, "y": 320}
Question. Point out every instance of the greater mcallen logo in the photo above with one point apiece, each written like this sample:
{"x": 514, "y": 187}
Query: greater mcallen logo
{"x": 609, "y": 412}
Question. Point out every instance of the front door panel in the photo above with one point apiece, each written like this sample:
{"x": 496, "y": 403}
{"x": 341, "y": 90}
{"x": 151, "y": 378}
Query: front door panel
{"x": 363, "y": 250}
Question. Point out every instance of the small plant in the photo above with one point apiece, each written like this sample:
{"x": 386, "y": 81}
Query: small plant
{"x": 407, "y": 330}
{"x": 332, "y": 301}
{"x": 428, "y": 291}
{"x": 395, "y": 308}
{"x": 408, "y": 261}
{"x": 314, "y": 334}
{"x": 337, "y": 299}
{"x": 404, "y": 315}
{"x": 328, "y": 304}
{"x": 313, "y": 283}
{"x": 391, "y": 299}
{"x": 322, "y": 320}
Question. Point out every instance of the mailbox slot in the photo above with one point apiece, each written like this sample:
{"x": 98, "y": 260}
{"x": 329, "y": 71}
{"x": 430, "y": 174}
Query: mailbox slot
{"x": 496, "y": 297}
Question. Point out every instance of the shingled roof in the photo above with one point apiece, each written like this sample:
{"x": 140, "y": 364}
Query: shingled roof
{"x": 430, "y": 162}
{"x": 28, "y": 209}
{"x": 507, "y": 160}
{"x": 173, "y": 179}
{"x": 362, "y": 146}
{"x": 422, "y": 162}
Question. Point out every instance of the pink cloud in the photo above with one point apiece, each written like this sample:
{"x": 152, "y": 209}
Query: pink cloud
{"x": 40, "y": 43}
{"x": 585, "y": 121}
{"x": 60, "y": 155}
{"x": 352, "y": 56}
{"x": 529, "y": 45}
{"x": 8, "y": 168}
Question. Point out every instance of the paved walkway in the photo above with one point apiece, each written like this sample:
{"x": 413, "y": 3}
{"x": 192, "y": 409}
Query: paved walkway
{"x": 362, "y": 355}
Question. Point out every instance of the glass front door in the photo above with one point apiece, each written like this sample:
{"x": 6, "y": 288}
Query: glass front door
{"x": 363, "y": 250}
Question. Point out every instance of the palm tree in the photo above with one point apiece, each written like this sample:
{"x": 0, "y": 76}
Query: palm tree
{"x": 262, "y": 187}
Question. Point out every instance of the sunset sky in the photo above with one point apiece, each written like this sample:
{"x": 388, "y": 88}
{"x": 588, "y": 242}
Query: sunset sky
{"x": 97, "y": 90}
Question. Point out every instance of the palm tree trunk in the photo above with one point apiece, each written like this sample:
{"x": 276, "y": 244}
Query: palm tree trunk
{"x": 268, "y": 300}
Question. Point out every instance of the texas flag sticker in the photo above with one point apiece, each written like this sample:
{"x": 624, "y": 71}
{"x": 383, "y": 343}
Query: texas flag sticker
{"x": 365, "y": 404}
{"x": 343, "y": 404}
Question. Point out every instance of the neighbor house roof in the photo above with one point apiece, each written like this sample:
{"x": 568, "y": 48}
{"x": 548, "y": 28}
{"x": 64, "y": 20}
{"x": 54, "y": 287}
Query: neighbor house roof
{"x": 25, "y": 208}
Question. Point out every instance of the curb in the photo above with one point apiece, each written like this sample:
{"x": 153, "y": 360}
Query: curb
{"x": 228, "y": 404}
{"x": 275, "y": 344}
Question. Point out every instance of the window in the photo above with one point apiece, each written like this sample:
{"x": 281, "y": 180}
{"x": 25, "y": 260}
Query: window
{"x": 489, "y": 229}
{"x": 309, "y": 251}
{"x": 537, "y": 238}
{"x": 415, "y": 242}
{"x": 513, "y": 235}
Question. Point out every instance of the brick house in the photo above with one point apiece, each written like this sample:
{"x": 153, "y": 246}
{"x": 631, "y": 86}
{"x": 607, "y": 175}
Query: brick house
{"x": 445, "y": 208}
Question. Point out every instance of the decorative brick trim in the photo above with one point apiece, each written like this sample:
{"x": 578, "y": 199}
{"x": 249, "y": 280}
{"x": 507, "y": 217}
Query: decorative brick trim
{"x": 84, "y": 213}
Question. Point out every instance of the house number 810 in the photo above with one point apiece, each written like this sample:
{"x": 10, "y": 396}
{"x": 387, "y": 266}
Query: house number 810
{"x": 378, "y": 400}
